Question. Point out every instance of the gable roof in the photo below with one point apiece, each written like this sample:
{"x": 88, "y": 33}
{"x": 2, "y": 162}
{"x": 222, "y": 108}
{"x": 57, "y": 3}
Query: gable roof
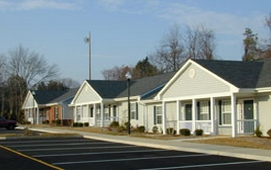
{"x": 108, "y": 88}
{"x": 70, "y": 93}
{"x": 145, "y": 87}
{"x": 45, "y": 96}
{"x": 249, "y": 74}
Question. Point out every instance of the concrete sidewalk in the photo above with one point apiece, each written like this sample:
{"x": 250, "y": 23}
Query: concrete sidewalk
{"x": 246, "y": 153}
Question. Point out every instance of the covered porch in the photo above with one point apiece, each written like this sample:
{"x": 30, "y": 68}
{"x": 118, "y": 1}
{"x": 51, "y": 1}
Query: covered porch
{"x": 225, "y": 115}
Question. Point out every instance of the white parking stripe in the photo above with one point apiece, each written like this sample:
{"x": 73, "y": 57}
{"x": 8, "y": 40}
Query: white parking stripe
{"x": 61, "y": 149}
{"x": 128, "y": 159}
{"x": 99, "y": 153}
{"x": 204, "y": 165}
{"x": 60, "y": 144}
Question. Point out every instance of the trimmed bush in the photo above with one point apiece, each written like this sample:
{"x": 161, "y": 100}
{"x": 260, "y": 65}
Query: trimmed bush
{"x": 269, "y": 133}
{"x": 155, "y": 129}
{"x": 45, "y": 122}
{"x": 75, "y": 124}
{"x": 141, "y": 129}
{"x": 114, "y": 124}
{"x": 80, "y": 124}
{"x": 258, "y": 132}
{"x": 185, "y": 132}
{"x": 198, "y": 132}
{"x": 86, "y": 124}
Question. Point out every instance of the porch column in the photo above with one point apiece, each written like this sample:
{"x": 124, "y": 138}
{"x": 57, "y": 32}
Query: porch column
{"x": 212, "y": 110}
{"x": 102, "y": 114}
{"x": 164, "y": 118}
{"x": 38, "y": 116}
{"x": 94, "y": 114}
{"x": 194, "y": 114}
{"x": 233, "y": 115}
{"x": 74, "y": 114}
{"x": 178, "y": 103}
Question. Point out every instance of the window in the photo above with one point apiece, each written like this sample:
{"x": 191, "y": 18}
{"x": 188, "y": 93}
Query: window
{"x": 90, "y": 111}
{"x": 225, "y": 112}
{"x": 203, "y": 110}
{"x": 78, "y": 112}
{"x": 133, "y": 111}
{"x": 157, "y": 114}
{"x": 188, "y": 112}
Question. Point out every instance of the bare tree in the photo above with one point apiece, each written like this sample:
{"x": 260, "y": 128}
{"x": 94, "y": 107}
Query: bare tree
{"x": 30, "y": 66}
{"x": 170, "y": 55}
{"x": 199, "y": 42}
{"x": 116, "y": 73}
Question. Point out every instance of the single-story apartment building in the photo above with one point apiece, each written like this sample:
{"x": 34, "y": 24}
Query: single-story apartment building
{"x": 220, "y": 97}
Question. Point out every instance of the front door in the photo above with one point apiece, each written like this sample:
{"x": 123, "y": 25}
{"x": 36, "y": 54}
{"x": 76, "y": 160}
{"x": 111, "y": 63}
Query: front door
{"x": 248, "y": 116}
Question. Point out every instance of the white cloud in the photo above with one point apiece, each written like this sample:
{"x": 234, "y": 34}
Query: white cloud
{"x": 111, "y": 5}
{"x": 37, "y": 4}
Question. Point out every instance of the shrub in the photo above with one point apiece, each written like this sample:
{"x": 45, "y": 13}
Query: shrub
{"x": 185, "y": 132}
{"x": 171, "y": 131}
{"x": 86, "y": 124}
{"x": 141, "y": 129}
{"x": 75, "y": 124}
{"x": 198, "y": 132}
{"x": 114, "y": 124}
{"x": 155, "y": 129}
{"x": 121, "y": 129}
{"x": 269, "y": 133}
{"x": 45, "y": 122}
{"x": 80, "y": 124}
{"x": 258, "y": 132}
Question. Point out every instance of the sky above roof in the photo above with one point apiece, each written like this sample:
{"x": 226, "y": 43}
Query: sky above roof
{"x": 122, "y": 31}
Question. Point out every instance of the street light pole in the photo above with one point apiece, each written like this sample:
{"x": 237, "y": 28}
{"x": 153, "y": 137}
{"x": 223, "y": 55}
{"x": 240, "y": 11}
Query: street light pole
{"x": 88, "y": 40}
{"x": 128, "y": 77}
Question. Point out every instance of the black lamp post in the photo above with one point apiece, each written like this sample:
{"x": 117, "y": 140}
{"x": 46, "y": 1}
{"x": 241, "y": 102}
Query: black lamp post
{"x": 128, "y": 77}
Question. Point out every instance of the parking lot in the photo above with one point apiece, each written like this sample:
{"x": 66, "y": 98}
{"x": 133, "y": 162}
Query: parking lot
{"x": 80, "y": 153}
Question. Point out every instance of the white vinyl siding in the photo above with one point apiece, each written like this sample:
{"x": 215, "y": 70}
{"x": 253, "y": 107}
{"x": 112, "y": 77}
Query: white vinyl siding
{"x": 86, "y": 95}
{"x": 202, "y": 83}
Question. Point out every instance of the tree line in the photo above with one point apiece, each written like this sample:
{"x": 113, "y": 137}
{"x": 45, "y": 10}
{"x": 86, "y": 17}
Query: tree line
{"x": 193, "y": 43}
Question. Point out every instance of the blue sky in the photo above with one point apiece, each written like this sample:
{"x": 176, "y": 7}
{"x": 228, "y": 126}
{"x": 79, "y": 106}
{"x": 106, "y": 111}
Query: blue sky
{"x": 122, "y": 31}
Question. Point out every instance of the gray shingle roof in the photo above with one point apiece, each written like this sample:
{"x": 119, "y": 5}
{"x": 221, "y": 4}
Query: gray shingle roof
{"x": 65, "y": 96}
{"x": 107, "y": 88}
{"x": 45, "y": 96}
{"x": 250, "y": 74}
{"x": 145, "y": 87}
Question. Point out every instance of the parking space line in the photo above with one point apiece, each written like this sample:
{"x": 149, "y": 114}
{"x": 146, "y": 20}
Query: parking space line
{"x": 204, "y": 165}
{"x": 129, "y": 159}
{"x": 61, "y": 149}
{"x": 60, "y": 144}
{"x": 100, "y": 153}
{"x": 31, "y": 158}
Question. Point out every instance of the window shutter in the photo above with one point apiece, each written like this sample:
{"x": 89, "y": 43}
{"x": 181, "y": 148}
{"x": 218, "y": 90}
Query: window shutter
{"x": 154, "y": 115}
{"x": 198, "y": 106}
{"x": 220, "y": 111}
{"x": 136, "y": 111}
{"x": 209, "y": 110}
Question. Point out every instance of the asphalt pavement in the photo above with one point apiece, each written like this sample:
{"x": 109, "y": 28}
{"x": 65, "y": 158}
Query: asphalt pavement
{"x": 178, "y": 145}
